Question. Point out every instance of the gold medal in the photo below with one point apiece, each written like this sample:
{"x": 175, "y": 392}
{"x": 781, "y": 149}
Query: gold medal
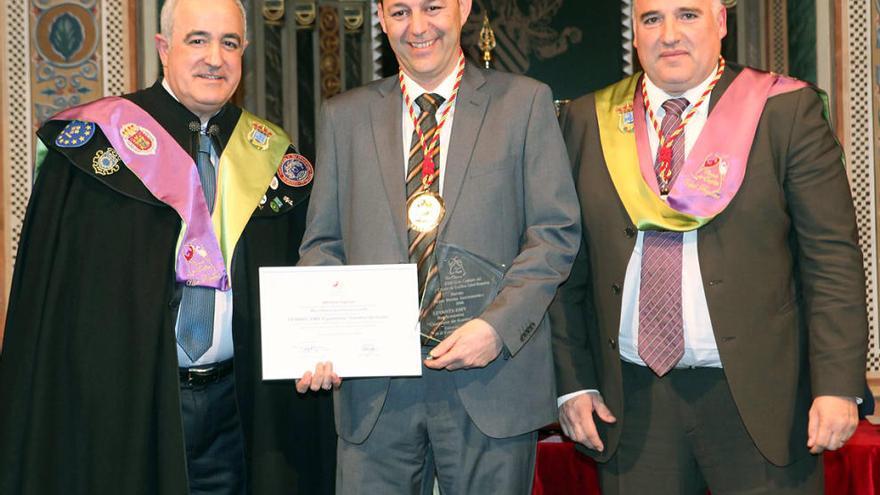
{"x": 425, "y": 211}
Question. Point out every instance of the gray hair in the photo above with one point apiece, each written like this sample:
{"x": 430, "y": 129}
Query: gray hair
{"x": 716, "y": 7}
{"x": 166, "y": 17}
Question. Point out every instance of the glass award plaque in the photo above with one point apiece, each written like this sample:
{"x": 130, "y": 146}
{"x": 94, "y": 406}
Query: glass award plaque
{"x": 468, "y": 284}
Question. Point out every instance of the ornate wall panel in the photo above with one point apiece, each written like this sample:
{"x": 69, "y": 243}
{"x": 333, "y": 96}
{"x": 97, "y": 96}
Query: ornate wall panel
{"x": 777, "y": 36}
{"x": 57, "y": 54}
{"x": 858, "y": 130}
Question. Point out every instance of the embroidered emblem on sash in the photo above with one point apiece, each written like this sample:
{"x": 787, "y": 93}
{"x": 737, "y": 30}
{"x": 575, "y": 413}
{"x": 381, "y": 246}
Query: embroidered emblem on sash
{"x": 627, "y": 122}
{"x": 276, "y": 205}
{"x": 295, "y": 170}
{"x": 273, "y": 185}
{"x": 288, "y": 200}
{"x": 106, "y": 162}
{"x": 138, "y": 139}
{"x": 200, "y": 267}
{"x": 709, "y": 178}
{"x": 259, "y": 136}
{"x": 75, "y": 134}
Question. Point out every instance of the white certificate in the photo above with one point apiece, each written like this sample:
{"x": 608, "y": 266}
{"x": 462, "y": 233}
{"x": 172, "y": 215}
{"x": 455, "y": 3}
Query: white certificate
{"x": 363, "y": 318}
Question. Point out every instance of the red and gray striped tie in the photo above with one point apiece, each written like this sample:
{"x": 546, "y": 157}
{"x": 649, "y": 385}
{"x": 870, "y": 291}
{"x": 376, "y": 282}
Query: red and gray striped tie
{"x": 661, "y": 330}
{"x": 421, "y": 244}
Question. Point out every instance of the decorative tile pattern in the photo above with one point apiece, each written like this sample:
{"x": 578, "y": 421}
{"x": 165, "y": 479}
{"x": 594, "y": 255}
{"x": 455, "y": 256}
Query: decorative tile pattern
{"x": 859, "y": 141}
{"x": 58, "y": 54}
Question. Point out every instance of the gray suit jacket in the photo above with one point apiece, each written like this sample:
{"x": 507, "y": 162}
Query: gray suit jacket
{"x": 781, "y": 267}
{"x": 510, "y": 199}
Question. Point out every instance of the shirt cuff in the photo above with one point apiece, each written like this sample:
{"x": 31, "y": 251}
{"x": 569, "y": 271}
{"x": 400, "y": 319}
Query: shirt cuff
{"x": 563, "y": 399}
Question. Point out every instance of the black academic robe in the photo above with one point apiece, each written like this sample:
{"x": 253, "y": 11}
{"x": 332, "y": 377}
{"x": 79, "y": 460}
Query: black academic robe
{"x": 89, "y": 397}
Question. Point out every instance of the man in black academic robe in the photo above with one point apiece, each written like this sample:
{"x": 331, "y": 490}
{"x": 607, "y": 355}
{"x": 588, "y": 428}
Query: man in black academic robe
{"x": 89, "y": 378}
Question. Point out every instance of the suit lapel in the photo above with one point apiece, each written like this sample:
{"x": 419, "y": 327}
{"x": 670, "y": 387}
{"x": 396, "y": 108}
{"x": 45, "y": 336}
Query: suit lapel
{"x": 730, "y": 73}
{"x": 467, "y": 120}
{"x": 385, "y": 115}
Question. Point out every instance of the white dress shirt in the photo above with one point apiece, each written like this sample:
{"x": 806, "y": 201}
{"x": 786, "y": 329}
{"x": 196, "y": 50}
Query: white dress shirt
{"x": 415, "y": 90}
{"x": 700, "y": 348}
{"x": 221, "y": 347}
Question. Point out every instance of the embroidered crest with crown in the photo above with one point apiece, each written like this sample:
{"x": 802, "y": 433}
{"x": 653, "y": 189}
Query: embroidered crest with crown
{"x": 259, "y": 136}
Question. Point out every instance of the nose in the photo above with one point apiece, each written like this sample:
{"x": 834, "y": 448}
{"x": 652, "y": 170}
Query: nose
{"x": 670, "y": 34}
{"x": 214, "y": 57}
{"x": 419, "y": 24}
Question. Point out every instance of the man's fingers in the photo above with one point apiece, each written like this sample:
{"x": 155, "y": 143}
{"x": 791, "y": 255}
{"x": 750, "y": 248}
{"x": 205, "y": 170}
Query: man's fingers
{"x": 444, "y": 346}
{"x": 302, "y": 385}
{"x": 812, "y": 428}
{"x": 603, "y": 412}
{"x": 448, "y": 358}
{"x": 327, "y": 382}
{"x": 592, "y": 436}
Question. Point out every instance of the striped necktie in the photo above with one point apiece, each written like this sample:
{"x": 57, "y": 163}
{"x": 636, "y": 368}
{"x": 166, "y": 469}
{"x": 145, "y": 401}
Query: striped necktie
{"x": 421, "y": 244}
{"x": 661, "y": 327}
{"x": 195, "y": 325}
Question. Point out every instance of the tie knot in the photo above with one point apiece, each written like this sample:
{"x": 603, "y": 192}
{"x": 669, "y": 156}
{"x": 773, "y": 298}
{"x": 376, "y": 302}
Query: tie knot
{"x": 430, "y": 102}
{"x": 204, "y": 143}
{"x": 675, "y": 106}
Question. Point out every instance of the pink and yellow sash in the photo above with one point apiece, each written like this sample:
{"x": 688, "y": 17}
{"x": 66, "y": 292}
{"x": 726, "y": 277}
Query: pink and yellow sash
{"x": 715, "y": 167}
{"x": 204, "y": 250}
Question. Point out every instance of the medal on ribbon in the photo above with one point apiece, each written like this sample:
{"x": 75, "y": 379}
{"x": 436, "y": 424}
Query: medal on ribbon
{"x": 426, "y": 209}
{"x": 664, "y": 150}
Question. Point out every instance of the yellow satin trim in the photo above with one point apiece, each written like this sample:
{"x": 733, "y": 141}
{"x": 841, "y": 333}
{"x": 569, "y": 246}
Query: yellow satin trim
{"x": 645, "y": 209}
{"x": 243, "y": 177}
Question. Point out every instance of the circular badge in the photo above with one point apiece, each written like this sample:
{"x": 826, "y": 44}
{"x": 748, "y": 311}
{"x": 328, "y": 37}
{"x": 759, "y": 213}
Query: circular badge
{"x": 274, "y": 183}
{"x": 295, "y": 170}
{"x": 425, "y": 211}
{"x": 138, "y": 139}
{"x": 75, "y": 134}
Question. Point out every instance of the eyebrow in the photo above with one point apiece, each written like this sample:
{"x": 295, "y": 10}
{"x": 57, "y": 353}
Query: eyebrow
{"x": 196, "y": 34}
{"x": 681, "y": 10}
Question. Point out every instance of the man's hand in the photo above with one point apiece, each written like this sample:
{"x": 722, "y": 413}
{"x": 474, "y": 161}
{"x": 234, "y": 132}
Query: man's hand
{"x": 323, "y": 378}
{"x": 473, "y": 345}
{"x": 576, "y": 419}
{"x": 832, "y": 421}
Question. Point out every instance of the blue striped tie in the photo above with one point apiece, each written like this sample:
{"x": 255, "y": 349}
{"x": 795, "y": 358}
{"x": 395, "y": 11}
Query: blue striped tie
{"x": 195, "y": 326}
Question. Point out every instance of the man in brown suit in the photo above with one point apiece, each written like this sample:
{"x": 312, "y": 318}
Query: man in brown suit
{"x": 714, "y": 321}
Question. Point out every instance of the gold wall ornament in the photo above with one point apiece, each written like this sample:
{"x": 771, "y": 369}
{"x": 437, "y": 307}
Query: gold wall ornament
{"x": 305, "y": 13}
{"x": 273, "y": 12}
{"x": 329, "y": 52}
{"x": 729, "y": 3}
{"x": 487, "y": 40}
{"x": 352, "y": 17}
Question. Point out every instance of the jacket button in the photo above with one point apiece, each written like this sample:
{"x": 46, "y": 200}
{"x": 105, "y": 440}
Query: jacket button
{"x": 612, "y": 343}
{"x": 615, "y": 289}
{"x": 630, "y": 232}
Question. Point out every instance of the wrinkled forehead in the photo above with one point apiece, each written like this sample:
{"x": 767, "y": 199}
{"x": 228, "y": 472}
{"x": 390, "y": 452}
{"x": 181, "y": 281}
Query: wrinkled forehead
{"x": 220, "y": 18}
{"x": 641, "y": 6}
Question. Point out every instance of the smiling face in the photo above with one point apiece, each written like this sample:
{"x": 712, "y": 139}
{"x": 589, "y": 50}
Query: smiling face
{"x": 678, "y": 41}
{"x": 202, "y": 55}
{"x": 425, "y": 36}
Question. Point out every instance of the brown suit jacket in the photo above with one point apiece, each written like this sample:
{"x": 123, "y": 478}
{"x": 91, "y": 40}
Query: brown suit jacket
{"x": 781, "y": 268}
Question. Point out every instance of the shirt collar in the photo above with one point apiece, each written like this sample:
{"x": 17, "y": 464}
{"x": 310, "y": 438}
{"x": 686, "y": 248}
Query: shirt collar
{"x": 444, "y": 89}
{"x": 658, "y": 96}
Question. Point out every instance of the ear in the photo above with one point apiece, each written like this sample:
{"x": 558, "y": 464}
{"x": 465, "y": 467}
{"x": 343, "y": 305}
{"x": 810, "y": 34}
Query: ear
{"x": 464, "y": 7}
{"x": 162, "y": 46}
{"x": 722, "y": 22}
{"x": 380, "y": 9}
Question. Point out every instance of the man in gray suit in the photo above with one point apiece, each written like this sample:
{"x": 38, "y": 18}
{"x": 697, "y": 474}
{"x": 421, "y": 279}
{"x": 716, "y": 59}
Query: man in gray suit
{"x": 500, "y": 166}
